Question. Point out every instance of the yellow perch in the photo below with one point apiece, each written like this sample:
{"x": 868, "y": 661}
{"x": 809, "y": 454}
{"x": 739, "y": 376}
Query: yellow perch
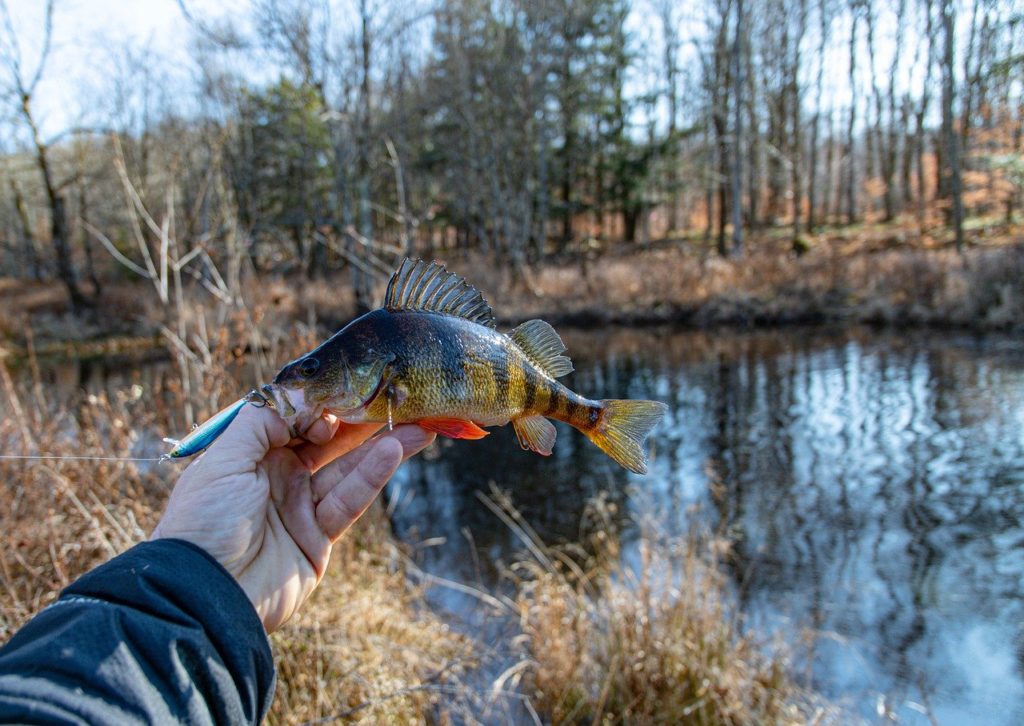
{"x": 431, "y": 356}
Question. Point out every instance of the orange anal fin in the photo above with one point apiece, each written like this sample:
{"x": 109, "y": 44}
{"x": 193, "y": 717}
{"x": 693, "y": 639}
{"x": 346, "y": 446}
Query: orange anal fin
{"x": 535, "y": 433}
{"x": 453, "y": 428}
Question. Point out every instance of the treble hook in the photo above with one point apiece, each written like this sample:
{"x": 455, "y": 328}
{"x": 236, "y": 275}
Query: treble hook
{"x": 257, "y": 399}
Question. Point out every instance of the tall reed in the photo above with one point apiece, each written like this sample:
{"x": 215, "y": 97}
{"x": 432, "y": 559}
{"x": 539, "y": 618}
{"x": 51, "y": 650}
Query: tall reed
{"x": 657, "y": 641}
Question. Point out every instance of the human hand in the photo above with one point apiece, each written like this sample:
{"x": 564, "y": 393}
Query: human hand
{"x": 269, "y": 510}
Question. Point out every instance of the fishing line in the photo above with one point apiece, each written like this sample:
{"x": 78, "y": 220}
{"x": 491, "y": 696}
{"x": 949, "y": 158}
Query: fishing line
{"x": 79, "y": 458}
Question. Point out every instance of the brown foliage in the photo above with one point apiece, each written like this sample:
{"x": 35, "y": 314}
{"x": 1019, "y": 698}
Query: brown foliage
{"x": 365, "y": 645}
{"x": 882, "y": 274}
{"x": 660, "y": 643}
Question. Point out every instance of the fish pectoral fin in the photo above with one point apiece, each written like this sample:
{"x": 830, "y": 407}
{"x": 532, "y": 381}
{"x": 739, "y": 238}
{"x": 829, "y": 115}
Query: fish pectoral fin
{"x": 453, "y": 428}
{"x": 535, "y": 433}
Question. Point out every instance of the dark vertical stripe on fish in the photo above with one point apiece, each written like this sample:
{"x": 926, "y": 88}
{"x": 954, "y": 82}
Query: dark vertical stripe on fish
{"x": 572, "y": 410}
{"x": 554, "y": 398}
{"x": 499, "y": 372}
{"x": 530, "y": 386}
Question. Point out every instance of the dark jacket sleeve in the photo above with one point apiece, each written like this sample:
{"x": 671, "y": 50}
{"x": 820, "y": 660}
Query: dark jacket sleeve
{"x": 161, "y": 633}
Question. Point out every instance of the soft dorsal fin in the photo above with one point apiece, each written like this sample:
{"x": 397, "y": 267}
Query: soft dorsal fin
{"x": 429, "y": 287}
{"x": 543, "y": 347}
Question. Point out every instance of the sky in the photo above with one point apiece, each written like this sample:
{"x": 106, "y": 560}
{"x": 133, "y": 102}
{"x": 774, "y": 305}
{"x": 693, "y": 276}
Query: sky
{"x": 92, "y": 38}
{"x": 89, "y": 36}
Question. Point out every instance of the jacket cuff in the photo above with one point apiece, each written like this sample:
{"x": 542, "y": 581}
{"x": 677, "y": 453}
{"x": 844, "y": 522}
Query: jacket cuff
{"x": 179, "y": 582}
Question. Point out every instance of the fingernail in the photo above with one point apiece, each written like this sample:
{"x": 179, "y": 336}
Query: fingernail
{"x": 319, "y": 432}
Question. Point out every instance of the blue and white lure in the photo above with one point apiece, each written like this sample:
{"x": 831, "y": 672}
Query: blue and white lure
{"x": 204, "y": 435}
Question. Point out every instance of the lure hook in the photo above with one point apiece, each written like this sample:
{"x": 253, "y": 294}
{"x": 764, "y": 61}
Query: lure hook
{"x": 257, "y": 399}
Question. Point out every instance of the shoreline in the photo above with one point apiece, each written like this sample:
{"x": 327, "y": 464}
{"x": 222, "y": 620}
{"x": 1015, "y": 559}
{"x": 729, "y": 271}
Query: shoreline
{"x": 153, "y": 347}
{"x": 668, "y": 283}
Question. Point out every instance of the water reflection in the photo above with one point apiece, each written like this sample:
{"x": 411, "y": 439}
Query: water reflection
{"x": 873, "y": 484}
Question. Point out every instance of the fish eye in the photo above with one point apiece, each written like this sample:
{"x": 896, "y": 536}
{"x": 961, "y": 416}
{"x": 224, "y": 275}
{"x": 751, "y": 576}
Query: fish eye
{"x": 308, "y": 367}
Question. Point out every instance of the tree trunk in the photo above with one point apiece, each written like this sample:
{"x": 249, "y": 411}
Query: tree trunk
{"x": 35, "y": 264}
{"x": 709, "y": 190}
{"x": 797, "y": 121}
{"x": 922, "y": 111}
{"x": 362, "y": 282}
{"x": 828, "y": 188}
{"x": 850, "y": 155}
{"x": 754, "y": 147}
{"x": 950, "y": 138}
{"x": 542, "y": 196}
{"x": 630, "y": 218}
{"x": 813, "y": 175}
{"x": 720, "y": 91}
{"x": 670, "y": 40}
{"x": 59, "y": 227}
{"x": 90, "y": 262}
{"x": 568, "y": 155}
{"x": 736, "y": 171}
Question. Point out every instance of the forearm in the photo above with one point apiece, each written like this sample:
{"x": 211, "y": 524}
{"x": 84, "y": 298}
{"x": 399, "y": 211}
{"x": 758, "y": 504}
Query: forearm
{"x": 160, "y": 633}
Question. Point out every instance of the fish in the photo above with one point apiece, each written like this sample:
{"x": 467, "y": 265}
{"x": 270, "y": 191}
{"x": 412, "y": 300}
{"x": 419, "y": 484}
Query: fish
{"x": 432, "y": 355}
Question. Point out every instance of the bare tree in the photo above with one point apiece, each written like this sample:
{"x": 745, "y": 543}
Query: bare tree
{"x": 667, "y": 11}
{"x": 736, "y": 170}
{"x": 824, "y": 24}
{"x": 922, "y": 108}
{"x": 20, "y": 84}
{"x": 951, "y": 141}
{"x": 850, "y": 156}
{"x": 795, "y": 102}
{"x": 27, "y": 236}
{"x": 718, "y": 84}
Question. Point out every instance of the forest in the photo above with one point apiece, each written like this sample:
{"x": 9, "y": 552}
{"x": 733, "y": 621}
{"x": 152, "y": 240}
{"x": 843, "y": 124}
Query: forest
{"x": 797, "y": 223}
{"x": 314, "y": 137}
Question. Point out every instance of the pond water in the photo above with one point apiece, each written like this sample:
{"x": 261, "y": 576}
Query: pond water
{"x": 873, "y": 483}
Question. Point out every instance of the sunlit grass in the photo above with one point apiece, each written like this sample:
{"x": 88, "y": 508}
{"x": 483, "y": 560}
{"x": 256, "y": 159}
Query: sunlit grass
{"x": 366, "y": 647}
{"x": 659, "y": 641}
{"x": 891, "y": 275}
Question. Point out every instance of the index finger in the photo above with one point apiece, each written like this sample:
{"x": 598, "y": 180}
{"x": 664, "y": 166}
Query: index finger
{"x": 347, "y": 437}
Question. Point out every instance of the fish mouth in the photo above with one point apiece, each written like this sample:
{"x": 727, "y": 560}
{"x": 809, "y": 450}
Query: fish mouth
{"x": 290, "y": 404}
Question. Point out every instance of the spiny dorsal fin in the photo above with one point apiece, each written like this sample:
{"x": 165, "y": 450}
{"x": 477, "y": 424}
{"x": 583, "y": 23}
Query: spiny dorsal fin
{"x": 543, "y": 347}
{"x": 428, "y": 286}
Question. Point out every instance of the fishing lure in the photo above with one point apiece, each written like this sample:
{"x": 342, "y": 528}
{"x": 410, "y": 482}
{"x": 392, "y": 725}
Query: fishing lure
{"x": 204, "y": 435}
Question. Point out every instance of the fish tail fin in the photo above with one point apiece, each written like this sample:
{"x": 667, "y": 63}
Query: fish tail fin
{"x": 622, "y": 429}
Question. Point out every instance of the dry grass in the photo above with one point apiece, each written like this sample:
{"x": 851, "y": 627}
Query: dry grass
{"x": 892, "y": 274}
{"x": 366, "y": 648}
{"x": 660, "y": 643}
{"x": 603, "y": 643}
{"x": 60, "y": 518}
{"x": 868, "y": 276}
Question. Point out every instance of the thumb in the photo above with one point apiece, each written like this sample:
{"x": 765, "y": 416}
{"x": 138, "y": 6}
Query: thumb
{"x": 248, "y": 438}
